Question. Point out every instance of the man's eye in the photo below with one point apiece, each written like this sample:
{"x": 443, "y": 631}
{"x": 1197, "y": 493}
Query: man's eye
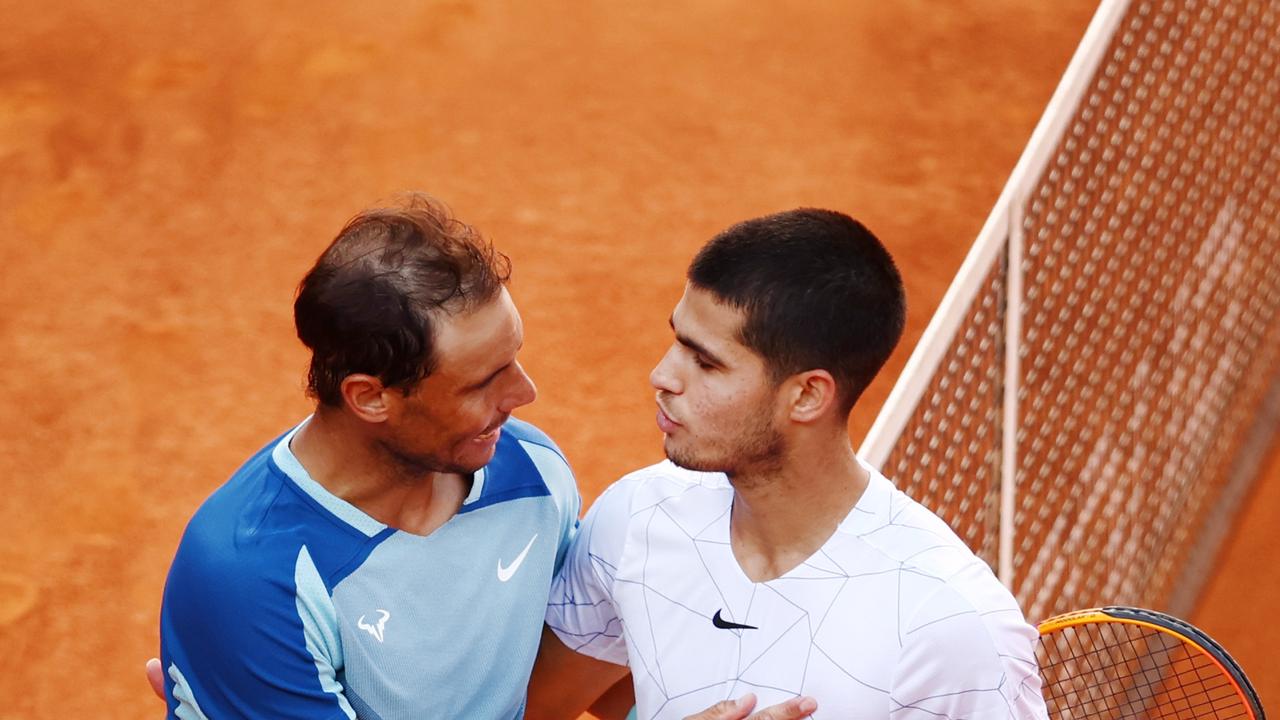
{"x": 703, "y": 364}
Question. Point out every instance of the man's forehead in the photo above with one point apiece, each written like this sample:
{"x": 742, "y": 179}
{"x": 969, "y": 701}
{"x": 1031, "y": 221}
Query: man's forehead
{"x": 703, "y": 305}
{"x": 486, "y": 329}
{"x": 702, "y": 315}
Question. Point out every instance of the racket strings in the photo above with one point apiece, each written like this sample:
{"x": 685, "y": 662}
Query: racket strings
{"x": 1112, "y": 671}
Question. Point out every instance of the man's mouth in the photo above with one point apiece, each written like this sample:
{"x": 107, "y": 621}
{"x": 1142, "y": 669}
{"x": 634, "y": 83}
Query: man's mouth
{"x": 665, "y": 423}
{"x": 490, "y": 434}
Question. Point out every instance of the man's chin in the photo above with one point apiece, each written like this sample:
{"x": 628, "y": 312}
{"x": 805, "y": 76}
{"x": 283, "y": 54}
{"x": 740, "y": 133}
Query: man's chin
{"x": 732, "y": 465}
{"x": 466, "y": 464}
{"x": 689, "y": 462}
{"x": 470, "y": 466}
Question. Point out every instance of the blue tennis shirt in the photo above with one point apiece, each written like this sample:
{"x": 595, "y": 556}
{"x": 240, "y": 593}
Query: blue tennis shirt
{"x": 284, "y": 601}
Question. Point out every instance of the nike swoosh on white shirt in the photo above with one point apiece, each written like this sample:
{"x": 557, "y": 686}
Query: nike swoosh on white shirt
{"x": 505, "y": 573}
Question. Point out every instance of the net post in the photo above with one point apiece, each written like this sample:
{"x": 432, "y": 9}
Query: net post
{"x": 1009, "y": 421}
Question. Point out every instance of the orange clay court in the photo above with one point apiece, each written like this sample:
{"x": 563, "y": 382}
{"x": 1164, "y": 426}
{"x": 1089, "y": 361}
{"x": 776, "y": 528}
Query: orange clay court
{"x": 169, "y": 171}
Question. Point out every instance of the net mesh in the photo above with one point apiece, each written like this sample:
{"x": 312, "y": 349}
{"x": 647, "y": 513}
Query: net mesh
{"x": 1150, "y": 318}
{"x": 948, "y": 455}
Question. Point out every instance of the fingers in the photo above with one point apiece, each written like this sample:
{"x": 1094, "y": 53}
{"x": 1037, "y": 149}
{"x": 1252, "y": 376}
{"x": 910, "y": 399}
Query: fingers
{"x": 155, "y": 677}
{"x": 728, "y": 709}
{"x": 793, "y": 709}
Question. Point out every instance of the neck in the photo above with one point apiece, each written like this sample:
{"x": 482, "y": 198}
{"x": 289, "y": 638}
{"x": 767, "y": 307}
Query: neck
{"x": 338, "y": 453}
{"x": 783, "y": 517}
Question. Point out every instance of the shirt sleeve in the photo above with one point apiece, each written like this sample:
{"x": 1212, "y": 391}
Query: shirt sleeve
{"x": 569, "y": 503}
{"x": 959, "y": 663}
{"x": 581, "y": 610}
{"x": 240, "y": 642}
{"x": 560, "y": 482}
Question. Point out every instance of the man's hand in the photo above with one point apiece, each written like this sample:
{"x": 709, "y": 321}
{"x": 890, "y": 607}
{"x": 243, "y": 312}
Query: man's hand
{"x": 155, "y": 676}
{"x": 793, "y": 709}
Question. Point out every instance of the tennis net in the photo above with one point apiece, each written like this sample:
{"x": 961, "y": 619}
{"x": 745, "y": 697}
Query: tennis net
{"x": 1090, "y": 402}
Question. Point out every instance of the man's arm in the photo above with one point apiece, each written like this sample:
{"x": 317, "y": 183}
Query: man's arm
{"x": 248, "y": 634}
{"x": 794, "y": 709}
{"x": 565, "y": 683}
{"x": 958, "y": 661}
{"x": 616, "y": 702}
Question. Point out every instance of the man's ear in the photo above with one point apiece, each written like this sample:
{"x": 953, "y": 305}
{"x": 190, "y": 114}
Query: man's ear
{"x": 366, "y": 397}
{"x": 812, "y": 395}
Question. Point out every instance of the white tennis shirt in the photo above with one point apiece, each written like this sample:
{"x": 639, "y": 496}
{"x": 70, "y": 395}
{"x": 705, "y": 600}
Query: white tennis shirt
{"x": 894, "y": 617}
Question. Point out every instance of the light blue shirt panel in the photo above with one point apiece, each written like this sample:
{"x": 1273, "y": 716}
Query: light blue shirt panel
{"x": 456, "y": 640}
{"x": 320, "y": 627}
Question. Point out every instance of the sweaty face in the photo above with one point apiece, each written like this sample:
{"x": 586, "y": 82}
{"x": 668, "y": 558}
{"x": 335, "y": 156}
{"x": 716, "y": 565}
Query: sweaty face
{"x": 716, "y": 401}
{"x": 451, "y": 420}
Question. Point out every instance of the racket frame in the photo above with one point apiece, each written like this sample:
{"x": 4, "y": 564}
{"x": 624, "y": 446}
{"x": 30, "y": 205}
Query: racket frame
{"x": 1169, "y": 625}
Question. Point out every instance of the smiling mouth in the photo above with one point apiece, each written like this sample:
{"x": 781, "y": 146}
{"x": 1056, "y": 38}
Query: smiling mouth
{"x": 491, "y": 433}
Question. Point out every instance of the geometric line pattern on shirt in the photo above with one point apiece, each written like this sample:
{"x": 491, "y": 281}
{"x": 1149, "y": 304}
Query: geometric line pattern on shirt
{"x": 745, "y": 665}
{"x": 788, "y": 615}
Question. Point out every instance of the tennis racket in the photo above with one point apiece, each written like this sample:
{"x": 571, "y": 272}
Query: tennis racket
{"x": 1120, "y": 662}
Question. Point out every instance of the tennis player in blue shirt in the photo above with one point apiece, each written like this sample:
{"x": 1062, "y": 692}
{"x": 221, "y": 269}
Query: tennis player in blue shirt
{"x": 390, "y": 556}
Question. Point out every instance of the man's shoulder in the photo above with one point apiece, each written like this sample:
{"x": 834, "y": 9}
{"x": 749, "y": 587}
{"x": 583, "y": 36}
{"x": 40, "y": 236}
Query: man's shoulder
{"x": 896, "y": 525}
{"x": 256, "y": 525}
{"x": 934, "y": 560}
{"x": 662, "y": 483}
{"x": 246, "y": 497}
{"x": 529, "y": 434}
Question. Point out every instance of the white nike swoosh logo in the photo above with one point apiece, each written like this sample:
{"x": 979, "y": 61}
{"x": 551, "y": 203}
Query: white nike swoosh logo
{"x": 505, "y": 573}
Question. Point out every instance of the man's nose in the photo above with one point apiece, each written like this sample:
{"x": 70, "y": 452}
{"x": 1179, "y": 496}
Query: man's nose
{"x": 663, "y": 377}
{"x": 522, "y": 392}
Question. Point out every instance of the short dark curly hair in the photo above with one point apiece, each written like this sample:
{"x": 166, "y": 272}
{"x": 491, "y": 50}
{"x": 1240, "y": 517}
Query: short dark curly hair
{"x": 368, "y": 303}
{"x": 817, "y": 289}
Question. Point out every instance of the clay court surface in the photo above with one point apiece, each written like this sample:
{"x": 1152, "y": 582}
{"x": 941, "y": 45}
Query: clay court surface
{"x": 167, "y": 175}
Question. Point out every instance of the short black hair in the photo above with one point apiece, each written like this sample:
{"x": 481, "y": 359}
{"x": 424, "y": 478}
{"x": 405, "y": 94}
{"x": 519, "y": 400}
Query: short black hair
{"x": 817, "y": 289}
{"x": 367, "y": 304}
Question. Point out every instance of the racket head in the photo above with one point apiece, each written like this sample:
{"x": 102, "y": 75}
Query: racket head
{"x": 1115, "y": 663}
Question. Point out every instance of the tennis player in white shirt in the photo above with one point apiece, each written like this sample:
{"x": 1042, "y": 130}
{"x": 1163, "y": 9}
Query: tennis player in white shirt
{"x": 763, "y": 563}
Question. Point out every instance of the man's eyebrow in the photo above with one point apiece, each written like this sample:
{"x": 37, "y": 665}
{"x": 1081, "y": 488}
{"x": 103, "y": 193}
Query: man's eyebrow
{"x": 694, "y": 345}
{"x": 490, "y": 378}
